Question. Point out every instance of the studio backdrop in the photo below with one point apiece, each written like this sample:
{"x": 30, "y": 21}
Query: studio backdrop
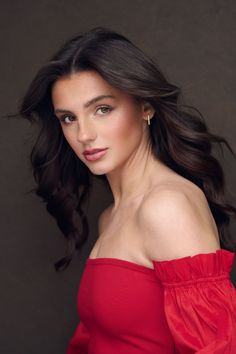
{"x": 194, "y": 44}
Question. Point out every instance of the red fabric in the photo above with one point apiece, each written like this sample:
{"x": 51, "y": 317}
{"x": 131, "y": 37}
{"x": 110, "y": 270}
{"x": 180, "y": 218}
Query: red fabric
{"x": 182, "y": 306}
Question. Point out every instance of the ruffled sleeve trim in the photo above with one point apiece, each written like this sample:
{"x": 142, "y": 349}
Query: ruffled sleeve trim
{"x": 200, "y": 267}
{"x": 200, "y": 302}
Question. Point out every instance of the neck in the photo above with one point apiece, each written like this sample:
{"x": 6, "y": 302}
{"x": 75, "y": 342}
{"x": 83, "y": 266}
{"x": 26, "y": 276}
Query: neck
{"x": 134, "y": 178}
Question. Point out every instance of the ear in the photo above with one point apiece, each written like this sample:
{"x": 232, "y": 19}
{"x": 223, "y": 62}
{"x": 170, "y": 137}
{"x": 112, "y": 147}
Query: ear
{"x": 147, "y": 109}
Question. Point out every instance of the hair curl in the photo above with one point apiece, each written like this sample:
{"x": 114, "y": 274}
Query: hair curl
{"x": 179, "y": 138}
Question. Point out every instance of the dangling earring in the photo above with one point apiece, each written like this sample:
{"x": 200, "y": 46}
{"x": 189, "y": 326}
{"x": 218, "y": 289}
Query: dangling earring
{"x": 148, "y": 119}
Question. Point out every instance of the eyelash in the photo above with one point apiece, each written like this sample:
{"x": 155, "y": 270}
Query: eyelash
{"x": 62, "y": 119}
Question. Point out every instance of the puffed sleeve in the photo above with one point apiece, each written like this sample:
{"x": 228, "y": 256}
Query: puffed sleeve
{"x": 79, "y": 341}
{"x": 200, "y": 302}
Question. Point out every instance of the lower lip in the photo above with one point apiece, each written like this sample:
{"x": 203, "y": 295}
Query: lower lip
{"x": 95, "y": 156}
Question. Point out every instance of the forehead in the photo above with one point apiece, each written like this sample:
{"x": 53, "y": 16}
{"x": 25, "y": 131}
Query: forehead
{"x": 81, "y": 87}
{"x": 81, "y": 80}
{"x": 83, "y": 84}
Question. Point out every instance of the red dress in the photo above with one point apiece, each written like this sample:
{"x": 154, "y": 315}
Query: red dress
{"x": 182, "y": 306}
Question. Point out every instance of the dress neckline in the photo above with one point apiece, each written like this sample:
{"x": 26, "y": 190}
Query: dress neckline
{"x": 120, "y": 262}
{"x": 141, "y": 267}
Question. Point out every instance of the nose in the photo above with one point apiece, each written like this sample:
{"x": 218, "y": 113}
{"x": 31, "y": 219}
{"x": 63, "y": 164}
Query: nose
{"x": 86, "y": 132}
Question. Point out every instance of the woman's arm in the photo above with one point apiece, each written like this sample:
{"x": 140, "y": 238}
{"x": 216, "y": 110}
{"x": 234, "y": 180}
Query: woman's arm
{"x": 199, "y": 298}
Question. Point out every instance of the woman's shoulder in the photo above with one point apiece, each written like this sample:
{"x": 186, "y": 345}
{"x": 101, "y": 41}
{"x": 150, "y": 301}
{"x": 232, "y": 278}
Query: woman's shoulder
{"x": 172, "y": 191}
{"x": 176, "y": 221}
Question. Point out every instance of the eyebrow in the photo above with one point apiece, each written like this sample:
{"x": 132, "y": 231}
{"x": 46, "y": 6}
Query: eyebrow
{"x": 87, "y": 104}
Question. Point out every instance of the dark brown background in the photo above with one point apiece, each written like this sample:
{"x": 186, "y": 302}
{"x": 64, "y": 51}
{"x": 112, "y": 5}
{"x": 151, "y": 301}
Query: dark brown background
{"x": 194, "y": 43}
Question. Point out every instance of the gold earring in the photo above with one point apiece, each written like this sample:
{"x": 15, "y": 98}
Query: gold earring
{"x": 148, "y": 119}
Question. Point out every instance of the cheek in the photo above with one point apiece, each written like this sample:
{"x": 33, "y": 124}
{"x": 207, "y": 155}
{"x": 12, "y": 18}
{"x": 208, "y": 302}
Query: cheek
{"x": 123, "y": 128}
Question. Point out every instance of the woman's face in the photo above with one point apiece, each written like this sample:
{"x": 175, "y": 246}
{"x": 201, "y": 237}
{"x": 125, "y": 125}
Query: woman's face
{"x": 114, "y": 124}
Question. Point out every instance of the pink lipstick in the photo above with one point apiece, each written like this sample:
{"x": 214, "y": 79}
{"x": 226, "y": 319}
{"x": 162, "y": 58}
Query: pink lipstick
{"x": 94, "y": 154}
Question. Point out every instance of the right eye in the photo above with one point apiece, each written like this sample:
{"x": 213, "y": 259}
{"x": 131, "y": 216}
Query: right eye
{"x": 66, "y": 119}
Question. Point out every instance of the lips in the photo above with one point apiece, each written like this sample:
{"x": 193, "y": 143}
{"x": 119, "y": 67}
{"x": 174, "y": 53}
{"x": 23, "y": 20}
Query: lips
{"x": 92, "y": 151}
{"x": 94, "y": 154}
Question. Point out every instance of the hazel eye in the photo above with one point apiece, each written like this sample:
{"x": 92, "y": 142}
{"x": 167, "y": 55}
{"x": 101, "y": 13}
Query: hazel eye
{"x": 68, "y": 117}
{"x": 105, "y": 109}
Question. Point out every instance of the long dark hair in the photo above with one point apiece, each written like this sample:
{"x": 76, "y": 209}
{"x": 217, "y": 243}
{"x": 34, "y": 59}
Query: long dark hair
{"x": 178, "y": 133}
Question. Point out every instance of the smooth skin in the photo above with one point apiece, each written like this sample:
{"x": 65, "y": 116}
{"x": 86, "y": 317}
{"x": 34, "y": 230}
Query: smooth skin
{"x": 156, "y": 214}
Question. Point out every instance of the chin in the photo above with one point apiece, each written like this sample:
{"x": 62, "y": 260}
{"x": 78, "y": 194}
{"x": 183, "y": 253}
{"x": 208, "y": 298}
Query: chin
{"x": 97, "y": 171}
{"x": 100, "y": 170}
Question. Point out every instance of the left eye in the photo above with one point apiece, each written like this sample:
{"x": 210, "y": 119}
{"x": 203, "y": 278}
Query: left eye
{"x": 104, "y": 109}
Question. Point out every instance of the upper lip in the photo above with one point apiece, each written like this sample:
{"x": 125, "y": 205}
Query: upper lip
{"x": 92, "y": 151}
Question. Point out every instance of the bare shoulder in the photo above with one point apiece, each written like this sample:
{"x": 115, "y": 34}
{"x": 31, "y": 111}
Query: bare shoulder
{"x": 176, "y": 221}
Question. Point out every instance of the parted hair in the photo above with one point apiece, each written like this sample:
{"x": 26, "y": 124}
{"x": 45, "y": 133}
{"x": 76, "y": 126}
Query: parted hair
{"x": 179, "y": 135}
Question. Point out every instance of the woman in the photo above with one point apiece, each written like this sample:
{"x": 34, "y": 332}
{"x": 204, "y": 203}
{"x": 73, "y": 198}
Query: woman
{"x": 157, "y": 279}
